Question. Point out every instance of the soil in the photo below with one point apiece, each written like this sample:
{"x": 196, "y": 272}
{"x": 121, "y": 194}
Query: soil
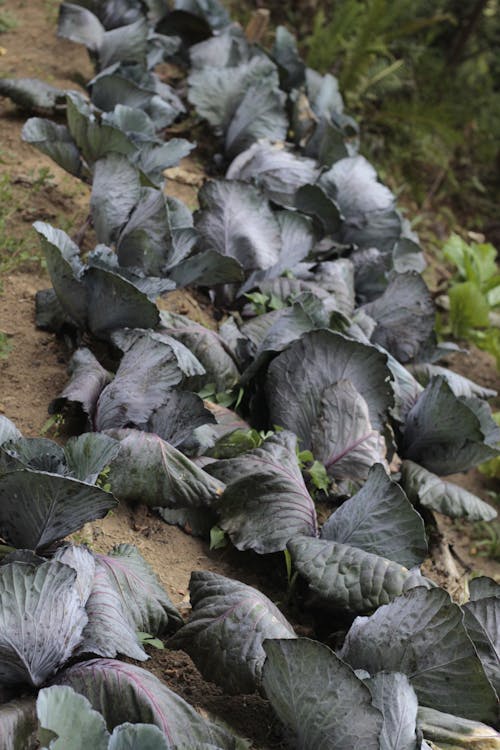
{"x": 33, "y": 372}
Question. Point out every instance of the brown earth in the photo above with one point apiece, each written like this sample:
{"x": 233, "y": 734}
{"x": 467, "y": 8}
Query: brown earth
{"x": 33, "y": 372}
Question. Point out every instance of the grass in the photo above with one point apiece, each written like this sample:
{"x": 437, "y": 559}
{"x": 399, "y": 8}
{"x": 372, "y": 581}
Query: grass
{"x": 16, "y": 247}
{"x": 52, "y": 10}
{"x": 5, "y": 346}
{"x": 8, "y": 22}
{"x": 485, "y": 538}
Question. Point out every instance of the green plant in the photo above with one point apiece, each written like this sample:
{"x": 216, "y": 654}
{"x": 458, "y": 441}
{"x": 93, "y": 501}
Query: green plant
{"x": 41, "y": 179}
{"x": 486, "y": 539}
{"x": 218, "y": 538}
{"x": 16, "y": 249}
{"x": 409, "y": 70}
{"x": 315, "y": 470}
{"x": 8, "y": 22}
{"x": 146, "y": 639}
{"x": 475, "y": 293}
{"x": 5, "y": 346}
{"x": 53, "y": 425}
{"x": 229, "y": 399}
{"x": 102, "y": 480}
{"x": 263, "y": 303}
{"x": 361, "y": 39}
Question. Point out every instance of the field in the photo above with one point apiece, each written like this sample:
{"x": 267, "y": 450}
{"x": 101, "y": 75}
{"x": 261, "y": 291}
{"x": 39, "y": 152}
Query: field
{"x": 33, "y": 372}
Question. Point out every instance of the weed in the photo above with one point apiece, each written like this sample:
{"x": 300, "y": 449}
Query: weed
{"x": 53, "y": 426}
{"x": 314, "y": 469}
{"x": 42, "y": 179}
{"x": 82, "y": 537}
{"x": 149, "y": 640}
{"x": 263, "y": 303}
{"x": 486, "y": 539}
{"x": 5, "y": 346}
{"x": 218, "y": 538}
{"x": 16, "y": 249}
{"x": 51, "y": 10}
{"x": 230, "y": 398}
{"x": 103, "y": 479}
{"x": 8, "y": 22}
{"x": 11, "y": 247}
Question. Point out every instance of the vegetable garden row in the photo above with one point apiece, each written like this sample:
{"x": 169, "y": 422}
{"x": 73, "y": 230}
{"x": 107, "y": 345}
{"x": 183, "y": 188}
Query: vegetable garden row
{"x": 321, "y": 388}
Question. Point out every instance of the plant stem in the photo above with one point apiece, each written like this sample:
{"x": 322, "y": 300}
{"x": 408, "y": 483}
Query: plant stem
{"x": 465, "y": 33}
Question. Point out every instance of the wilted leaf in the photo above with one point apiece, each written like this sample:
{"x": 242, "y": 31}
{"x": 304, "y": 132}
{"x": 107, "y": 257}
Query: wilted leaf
{"x": 88, "y": 379}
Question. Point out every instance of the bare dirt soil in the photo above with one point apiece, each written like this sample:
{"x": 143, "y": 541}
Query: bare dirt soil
{"x": 33, "y": 372}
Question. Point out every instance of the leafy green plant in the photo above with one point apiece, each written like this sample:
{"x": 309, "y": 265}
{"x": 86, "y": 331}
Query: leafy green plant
{"x": 103, "y": 479}
{"x": 53, "y": 425}
{"x": 229, "y": 399}
{"x": 263, "y": 303}
{"x": 474, "y": 293}
{"x": 218, "y": 538}
{"x": 315, "y": 470}
{"x": 149, "y": 640}
{"x": 239, "y": 441}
